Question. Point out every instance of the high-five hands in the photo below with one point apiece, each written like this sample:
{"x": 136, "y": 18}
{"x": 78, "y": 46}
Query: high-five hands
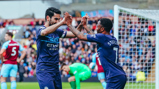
{"x": 67, "y": 19}
{"x": 84, "y": 20}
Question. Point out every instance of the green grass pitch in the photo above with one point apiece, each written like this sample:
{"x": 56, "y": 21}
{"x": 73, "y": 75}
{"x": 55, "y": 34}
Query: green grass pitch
{"x": 84, "y": 85}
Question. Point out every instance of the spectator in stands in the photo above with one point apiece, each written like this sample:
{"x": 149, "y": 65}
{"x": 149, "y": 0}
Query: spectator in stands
{"x": 39, "y": 22}
{"x": 33, "y": 28}
{"x": 27, "y": 32}
{"x": 32, "y": 22}
{"x": 1, "y": 28}
{"x": 5, "y": 23}
{"x": 21, "y": 71}
{"x": 11, "y": 22}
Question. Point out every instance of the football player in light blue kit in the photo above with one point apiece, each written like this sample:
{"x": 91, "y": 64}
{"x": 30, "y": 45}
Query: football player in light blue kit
{"x": 9, "y": 67}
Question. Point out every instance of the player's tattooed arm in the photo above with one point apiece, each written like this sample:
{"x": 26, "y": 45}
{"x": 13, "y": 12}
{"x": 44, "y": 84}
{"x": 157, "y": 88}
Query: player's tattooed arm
{"x": 84, "y": 23}
{"x": 79, "y": 34}
{"x": 69, "y": 33}
{"x": 80, "y": 26}
{"x": 89, "y": 31}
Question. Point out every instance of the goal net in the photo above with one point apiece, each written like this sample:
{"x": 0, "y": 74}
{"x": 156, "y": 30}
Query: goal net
{"x": 137, "y": 33}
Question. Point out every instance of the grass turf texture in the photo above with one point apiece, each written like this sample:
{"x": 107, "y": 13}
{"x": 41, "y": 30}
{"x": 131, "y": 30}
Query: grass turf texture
{"x": 84, "y": 85}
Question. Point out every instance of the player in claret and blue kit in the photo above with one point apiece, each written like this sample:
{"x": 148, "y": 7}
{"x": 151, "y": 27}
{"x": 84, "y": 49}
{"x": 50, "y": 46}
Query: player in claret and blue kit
{"x": 11, "y": 49}
{"x": 100, "y": 70}
{"x": 48, "y": 36}
{"x": 107, "y": 51}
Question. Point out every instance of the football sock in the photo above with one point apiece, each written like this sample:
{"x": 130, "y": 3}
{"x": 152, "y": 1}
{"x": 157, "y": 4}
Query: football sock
{"x": 3, "y": 85}
{"x": 13, "y": 85}
{"x": 73, "y": 84}
{"x": 104, "y": 84}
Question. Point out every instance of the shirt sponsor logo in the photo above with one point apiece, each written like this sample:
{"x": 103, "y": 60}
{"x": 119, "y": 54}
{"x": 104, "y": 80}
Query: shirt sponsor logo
{"x": 13, "y": 44}
{"x": 53, "y": 46}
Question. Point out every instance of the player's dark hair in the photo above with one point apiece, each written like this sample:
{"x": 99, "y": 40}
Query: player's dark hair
{"x": 63, "y": 64}
{"x": 10, "y": 34}
{"x": 50, "y": 12}
{"x": 106, "y": 23}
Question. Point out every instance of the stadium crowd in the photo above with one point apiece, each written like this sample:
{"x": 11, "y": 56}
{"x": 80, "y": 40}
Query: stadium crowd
{"x": 137, "y": 45}
{"x": 137, "y": 52}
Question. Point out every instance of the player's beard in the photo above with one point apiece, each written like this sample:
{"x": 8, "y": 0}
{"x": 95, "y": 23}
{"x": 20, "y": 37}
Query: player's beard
{"x": 51, "y": 23}
{"x": 99, "y": 30}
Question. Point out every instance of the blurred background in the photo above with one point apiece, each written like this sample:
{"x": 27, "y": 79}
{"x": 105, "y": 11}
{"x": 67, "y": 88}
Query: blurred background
{"x": 24, "y": 17}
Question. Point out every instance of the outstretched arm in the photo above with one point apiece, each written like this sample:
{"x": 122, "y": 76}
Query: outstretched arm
{"x": 79, "y": 34}
{"x": 84, "y": 22}
{"x": 70, "y": 34}
{"x": 79, "y": 28}
{"x": 89, "y": 31}
{"x": 92, "y": 38}
{"x": 53, "y": 28}
{"x": 75, "y": 31}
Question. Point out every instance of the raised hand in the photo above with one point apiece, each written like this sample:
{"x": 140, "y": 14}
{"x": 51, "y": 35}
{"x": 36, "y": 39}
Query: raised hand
{"x": 67, "y": 19}
{"x": 84, "y": 20}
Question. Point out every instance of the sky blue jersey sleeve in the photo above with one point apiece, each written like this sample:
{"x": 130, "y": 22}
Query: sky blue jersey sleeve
{"x": 5, "y": 45}
{"x": 20, "y": 47}
{"x": 94, "y": 60}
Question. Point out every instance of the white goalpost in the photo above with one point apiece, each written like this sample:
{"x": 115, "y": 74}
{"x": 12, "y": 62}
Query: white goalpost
{"x": 137, "y": 32}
